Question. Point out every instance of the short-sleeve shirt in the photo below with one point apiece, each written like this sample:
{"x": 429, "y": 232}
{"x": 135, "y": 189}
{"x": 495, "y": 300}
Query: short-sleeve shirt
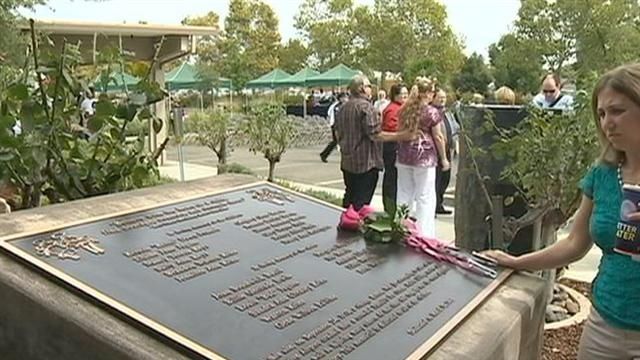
{"x": 616, "y": 288}
{"x": 357, "y": 127}
{"x": 421, "y": 152}
{"x": 88, "y": 106}
{"x": 564, "y": 103}
{"x": 390, "y": 117}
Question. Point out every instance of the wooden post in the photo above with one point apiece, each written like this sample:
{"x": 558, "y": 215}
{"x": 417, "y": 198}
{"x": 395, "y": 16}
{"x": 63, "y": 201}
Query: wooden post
{"x": 497, "y": 222}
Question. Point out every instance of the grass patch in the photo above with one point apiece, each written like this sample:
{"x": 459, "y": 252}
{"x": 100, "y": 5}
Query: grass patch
{"x": 235, "y": 168}
{"x": 318, "y": 194}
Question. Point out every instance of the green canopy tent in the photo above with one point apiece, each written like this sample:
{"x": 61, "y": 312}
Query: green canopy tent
{"x": 270, "y": 80}
{"x": 116, "y": 82}
{"x": 339, "y": 75}
{"x": 300, "y": 78}
{"x": 186, "y": 76}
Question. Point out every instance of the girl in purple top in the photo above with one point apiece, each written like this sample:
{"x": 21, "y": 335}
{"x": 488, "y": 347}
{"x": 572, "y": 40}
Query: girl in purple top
{"x": 417, "y": 159}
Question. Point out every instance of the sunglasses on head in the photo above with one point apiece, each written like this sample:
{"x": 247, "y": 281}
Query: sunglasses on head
{"x": 548, "y": 91}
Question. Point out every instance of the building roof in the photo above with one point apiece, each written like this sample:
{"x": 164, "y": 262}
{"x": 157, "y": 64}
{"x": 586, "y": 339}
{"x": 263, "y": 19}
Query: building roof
{"x": 137, "y": 30}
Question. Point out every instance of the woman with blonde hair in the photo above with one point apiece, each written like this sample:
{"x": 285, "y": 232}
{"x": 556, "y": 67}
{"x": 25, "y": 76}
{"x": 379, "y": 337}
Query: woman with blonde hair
{"x": 505, "y": 96}
{"x": 417, "y": 159}
{"x": 613, "y": 328}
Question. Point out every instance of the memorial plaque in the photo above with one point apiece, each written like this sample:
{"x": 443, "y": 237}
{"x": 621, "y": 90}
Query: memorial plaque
{"x": 259, "y": 272}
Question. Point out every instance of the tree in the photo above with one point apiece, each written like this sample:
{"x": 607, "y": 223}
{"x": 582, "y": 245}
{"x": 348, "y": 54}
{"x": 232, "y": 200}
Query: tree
{"x": 214, "y": 129}
{"x": 210, "y": 19}
{"x": 474, "y": 75}
{"x": 416, "y": 36}
{"x": 578, "y": 35}
{"x": 331, "y": 30}
{"x": 208, "y": 48}
{"x": 251, "y": 40}
{"x": 269, "y": 131}
{"x": 292, "y": 56}
{"x": 544, "y": 156}
{"x": 138, "y": 68}
{"x": 516, "y": 64}
{"x": 51, "y": 157}
{"x": 547, "y": 28}
{"x": 11, "y": 41}
{"x": 606, "y": 33}
{"x": 410, "y": 36}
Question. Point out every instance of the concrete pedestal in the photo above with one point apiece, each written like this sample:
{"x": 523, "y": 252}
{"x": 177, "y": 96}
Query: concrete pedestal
{"x": 40, "y": 318}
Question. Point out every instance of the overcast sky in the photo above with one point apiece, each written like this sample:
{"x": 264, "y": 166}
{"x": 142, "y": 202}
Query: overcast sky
{"x": 478, "y": 22}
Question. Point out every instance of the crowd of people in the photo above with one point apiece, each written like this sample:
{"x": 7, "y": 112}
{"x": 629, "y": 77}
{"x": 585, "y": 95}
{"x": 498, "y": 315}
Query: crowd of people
{"x": 409, "y": 138}
{"x": 416, "y": 171}
{"x": 407, "y": 135}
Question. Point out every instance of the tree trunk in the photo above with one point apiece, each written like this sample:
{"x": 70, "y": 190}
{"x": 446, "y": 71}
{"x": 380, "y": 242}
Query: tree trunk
{"x": 548, "y": 237}
{"x": 272, "y": 167}
{"x": 36, "y": 197}
{"x": 222, "y": 157}
{"x": 26, "y": 196}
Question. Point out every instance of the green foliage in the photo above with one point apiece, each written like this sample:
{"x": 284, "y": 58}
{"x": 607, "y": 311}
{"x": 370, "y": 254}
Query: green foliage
{"x": 548, "y": 154}
{"x": 419, "y": 68}
{"x": 387, "y": 226}
{"x": 208, "y": 48}
{"x": 293, "y": 56}
{"x": 474, "y": 75}
{"x": 250, "y": 43}
{"x": 516, "y": 64}
{"x": 396, "y": 36}
{"x": 269, "y": 132}
{"x": 247, "y": 48}
{"x": 566, "y": 36}
{"x": 329, "y": 29}
{"x": 12, "y": 44}
{"x": 210, "y": 19}
{"x": 50, "y": 157}
{"x": 235, "y": 168}
{"x": 214, "y": 129}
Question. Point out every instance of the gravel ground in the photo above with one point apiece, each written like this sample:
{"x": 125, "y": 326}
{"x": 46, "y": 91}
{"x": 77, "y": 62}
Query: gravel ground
{"x": 562, "y": 344}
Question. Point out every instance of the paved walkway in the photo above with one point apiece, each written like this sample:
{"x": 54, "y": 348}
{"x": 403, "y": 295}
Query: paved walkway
{"x": 583, "y": 270}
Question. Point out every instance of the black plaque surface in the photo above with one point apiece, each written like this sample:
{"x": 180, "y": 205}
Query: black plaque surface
{"x": 262, "y": 273}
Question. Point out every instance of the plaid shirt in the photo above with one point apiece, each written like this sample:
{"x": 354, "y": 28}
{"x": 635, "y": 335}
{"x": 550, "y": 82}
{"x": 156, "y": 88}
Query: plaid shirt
{"x": 357, "y": 126}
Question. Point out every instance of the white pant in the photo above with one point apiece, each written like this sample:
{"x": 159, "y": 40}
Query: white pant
{"x": 417, "y": 189}
{"x": 601, "y": 341}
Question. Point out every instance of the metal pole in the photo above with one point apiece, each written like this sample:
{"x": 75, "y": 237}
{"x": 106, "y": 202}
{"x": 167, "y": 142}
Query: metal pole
{"x": 230, "y": 95}
{"x": 177, "y": 128}
{"x": 304, "y": 104}
{"x": 181, "y": 159}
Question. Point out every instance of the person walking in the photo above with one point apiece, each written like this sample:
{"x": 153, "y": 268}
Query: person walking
{"x": 331, "y": 114}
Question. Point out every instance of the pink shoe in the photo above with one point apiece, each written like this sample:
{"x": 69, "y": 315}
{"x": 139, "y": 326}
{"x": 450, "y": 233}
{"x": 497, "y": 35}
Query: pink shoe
{"x": 365, "y": 211}
{"x": 349, "y": 220}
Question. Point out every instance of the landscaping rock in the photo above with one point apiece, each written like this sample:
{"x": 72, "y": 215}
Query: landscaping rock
{"x": 562, "y": 343}
{"x": 572, "y": 307}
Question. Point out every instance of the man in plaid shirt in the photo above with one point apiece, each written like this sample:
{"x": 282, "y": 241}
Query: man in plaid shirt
{"x": 360, "y": 135}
